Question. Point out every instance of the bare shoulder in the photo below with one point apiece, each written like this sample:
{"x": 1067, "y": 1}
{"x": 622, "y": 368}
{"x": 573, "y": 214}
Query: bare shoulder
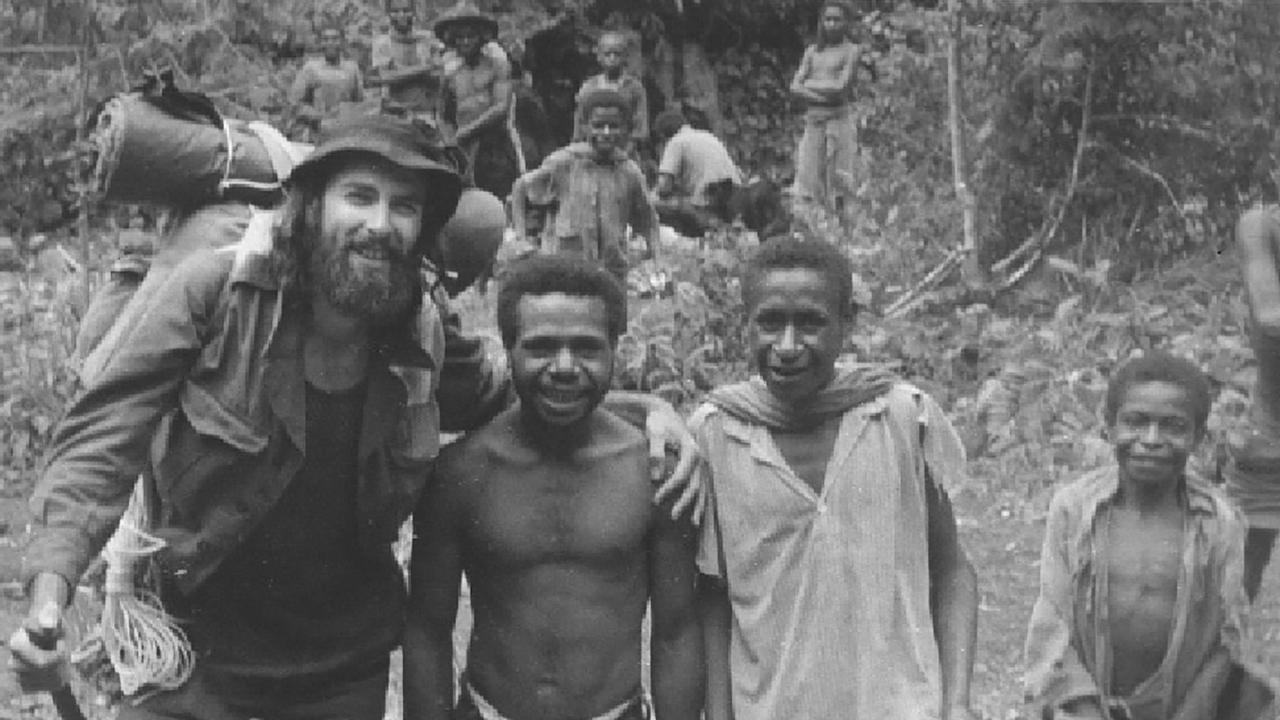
{"x": 613, "y": 437}
{"x": 461, "y": 463}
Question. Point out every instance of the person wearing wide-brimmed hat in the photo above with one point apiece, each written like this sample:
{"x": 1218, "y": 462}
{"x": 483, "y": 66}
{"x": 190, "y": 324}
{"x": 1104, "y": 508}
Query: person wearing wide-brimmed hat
{"x": 283, "y": 399}
{"x": 478, "y": 90}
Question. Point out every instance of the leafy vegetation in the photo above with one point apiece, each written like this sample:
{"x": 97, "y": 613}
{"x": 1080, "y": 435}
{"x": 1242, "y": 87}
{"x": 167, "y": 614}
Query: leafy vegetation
{"x": 1112, "y": 146}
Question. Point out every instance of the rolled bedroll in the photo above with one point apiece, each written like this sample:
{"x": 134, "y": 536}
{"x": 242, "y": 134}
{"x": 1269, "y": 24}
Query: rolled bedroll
{"x": 157, "y": 145}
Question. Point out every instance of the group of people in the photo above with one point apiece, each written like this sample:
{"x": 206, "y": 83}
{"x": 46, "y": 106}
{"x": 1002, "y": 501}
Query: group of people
{"x": 587, "y": 198}
{"x": 279, "y": 398}
{"x": 454, "y": 77}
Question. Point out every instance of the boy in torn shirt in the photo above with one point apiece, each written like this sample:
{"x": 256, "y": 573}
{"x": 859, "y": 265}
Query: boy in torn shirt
{"x": 1141, "y": 609}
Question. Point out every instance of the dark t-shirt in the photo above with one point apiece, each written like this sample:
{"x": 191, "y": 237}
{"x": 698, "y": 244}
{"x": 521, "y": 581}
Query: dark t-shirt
{"x": 299, "y": 597}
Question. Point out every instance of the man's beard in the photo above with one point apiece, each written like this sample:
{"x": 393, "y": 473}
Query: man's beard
{"x": 382, "y": 293}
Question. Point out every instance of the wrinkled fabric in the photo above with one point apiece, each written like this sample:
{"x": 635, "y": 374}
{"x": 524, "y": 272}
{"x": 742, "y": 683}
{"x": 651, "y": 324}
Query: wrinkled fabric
{"x": 827, "y": 154}
{"x": 215, "y": 348}
{"x": 1068, "y": 650}
{"x": 596, "y": 200}
{"x": 829, "y": 591}
{"x": 753, "y": 403}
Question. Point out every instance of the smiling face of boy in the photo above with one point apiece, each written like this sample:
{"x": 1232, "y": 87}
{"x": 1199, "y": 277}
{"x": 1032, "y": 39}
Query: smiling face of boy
{"x": 606, "y": 127}
{"x": 611, "y": 53}
{"x": 1154, "y": 432}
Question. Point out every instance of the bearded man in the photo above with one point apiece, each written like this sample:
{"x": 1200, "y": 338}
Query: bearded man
{"x": 283, "y": 398}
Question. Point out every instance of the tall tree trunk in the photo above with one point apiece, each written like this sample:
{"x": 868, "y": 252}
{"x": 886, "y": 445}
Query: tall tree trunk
{"x": 972, "y": 269}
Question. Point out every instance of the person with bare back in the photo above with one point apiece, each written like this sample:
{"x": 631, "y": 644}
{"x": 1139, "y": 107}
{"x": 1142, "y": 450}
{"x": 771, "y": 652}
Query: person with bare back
{"x": 547, "y": 510}
{"x": 1141, "y": 609}
{"x": 477, "y": 96}
{"x": 1252, "y": 471}
{"x": 824, "y": 83}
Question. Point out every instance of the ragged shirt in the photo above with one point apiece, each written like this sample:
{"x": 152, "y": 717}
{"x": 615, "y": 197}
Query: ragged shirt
{"x": 597, "y": 201}
{"x": 1068, "y": 647}
{"x": 829, "y": 591}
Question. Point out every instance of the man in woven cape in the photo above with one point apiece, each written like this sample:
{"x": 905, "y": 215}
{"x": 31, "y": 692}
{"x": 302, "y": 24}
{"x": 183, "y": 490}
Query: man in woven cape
{"x": 283, "y": 397}
{"x": 834, "y": 583}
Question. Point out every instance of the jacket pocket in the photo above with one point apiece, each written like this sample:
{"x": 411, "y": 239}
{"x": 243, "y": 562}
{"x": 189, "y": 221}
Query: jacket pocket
{"x": 196, "y": 465}
{"x": 210, "y": 417}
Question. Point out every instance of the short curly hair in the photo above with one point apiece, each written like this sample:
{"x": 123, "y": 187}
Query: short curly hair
{"x": 550, "y": 274}
{"x": 605, "y": 98}
{"x": 788, "y": 253}
{"x": 1160, "y": 366}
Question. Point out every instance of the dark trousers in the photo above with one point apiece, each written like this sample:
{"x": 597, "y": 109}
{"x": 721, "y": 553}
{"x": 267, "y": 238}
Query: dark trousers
{"x": 357, "y": 695}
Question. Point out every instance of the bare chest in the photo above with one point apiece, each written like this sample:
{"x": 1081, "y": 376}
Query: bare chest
{"x": 1143, "y": 572}
{"x": 596, "y": 514}
{"x": 474, "y": 84}
{"x": 829, "y": 62}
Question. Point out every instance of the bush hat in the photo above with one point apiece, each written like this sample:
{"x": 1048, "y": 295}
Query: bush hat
{"x": 409, "y": 145}
{"x": 465, "y": 13}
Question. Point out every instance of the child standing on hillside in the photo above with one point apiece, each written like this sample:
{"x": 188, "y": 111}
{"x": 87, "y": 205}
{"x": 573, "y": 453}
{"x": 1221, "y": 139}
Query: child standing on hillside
{"x": 824, "y": 82}
{"x": 1141, "y": 607}
{"x": 611, "y": 53}
{"x": 594, "y": 190}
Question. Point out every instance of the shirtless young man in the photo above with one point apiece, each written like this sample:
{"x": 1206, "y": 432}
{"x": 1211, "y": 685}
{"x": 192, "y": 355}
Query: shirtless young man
{"x": 823, "y": 82}
{"x": 1141, "y": 604}
{"x": 836, "y": 586}
{"x": 1253, "y": 469}
{"x": 478, "y": 97}
{"x": 547, "y": 509}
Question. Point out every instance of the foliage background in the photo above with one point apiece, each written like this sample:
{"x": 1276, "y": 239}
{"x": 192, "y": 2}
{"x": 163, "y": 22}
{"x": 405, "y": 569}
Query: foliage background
{"x": 1115, "y": 143}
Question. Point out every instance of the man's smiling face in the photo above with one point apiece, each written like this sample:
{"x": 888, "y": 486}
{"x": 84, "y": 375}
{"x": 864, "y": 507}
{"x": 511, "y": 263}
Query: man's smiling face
{"x": 796, "y": 332}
